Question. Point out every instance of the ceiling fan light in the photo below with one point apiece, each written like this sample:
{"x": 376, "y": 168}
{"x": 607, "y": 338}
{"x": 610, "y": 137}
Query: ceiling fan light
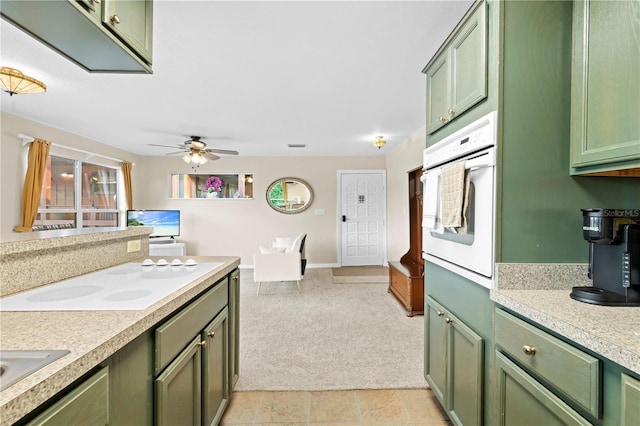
{"x": 13, "y": 82}
{"x": 187, "y": 158}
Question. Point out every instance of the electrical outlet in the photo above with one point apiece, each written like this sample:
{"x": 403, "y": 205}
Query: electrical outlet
{"x": 133, "y": 245}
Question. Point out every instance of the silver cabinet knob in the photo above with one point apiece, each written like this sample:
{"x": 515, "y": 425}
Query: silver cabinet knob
{"x": 203, "y": 344}
{"x": 439, "y": 313}
{"x": 529, "y": 350}
{"x": 448, "y": 320}
{"x": 442, "y": 118}
{"x": 211, "y": 334}
{"x": 451, "y": 111}
{"x": 115, "y": 19}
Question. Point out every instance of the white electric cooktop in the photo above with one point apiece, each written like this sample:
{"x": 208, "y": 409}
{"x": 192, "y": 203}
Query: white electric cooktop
{"x": 126, "y": 287}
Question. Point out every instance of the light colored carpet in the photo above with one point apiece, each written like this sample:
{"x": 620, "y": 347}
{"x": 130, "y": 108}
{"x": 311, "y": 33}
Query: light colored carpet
{"x": 360, "y": 275}
{"x": 328, "y": 337}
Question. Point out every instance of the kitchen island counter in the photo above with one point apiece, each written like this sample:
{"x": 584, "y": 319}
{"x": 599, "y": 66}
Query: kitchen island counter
{"x": 90, "y": 337}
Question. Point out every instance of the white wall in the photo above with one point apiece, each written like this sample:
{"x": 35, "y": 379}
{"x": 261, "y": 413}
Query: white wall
{"x": 229, "y": 226}
{"x": 400, "y": 161}
{"x": 239, "y": 226}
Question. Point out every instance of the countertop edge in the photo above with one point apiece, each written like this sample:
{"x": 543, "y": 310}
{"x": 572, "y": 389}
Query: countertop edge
{"x": 25, "y": 396}
{"x": 606, "y": 347}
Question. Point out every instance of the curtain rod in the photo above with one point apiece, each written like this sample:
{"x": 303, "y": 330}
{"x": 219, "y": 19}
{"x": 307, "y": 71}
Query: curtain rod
{"x": 26, "y": 139}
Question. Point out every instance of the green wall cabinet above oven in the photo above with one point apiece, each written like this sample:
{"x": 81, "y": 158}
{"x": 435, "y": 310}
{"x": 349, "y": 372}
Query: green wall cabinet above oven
{"x": 100, "y": 36}
{"x": 457, "y": 75}
{"x": 605, "y": 86}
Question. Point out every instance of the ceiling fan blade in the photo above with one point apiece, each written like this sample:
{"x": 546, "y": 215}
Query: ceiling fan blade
{"x": 222, "y": 151}
{"x": 177, "y": 152}
{"x": 165, "y": 146}
{"x": 210, "y": 156}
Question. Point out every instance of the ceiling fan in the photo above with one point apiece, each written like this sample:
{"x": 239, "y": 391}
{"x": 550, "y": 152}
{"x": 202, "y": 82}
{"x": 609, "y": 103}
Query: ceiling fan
{"x": 196, "y": 151}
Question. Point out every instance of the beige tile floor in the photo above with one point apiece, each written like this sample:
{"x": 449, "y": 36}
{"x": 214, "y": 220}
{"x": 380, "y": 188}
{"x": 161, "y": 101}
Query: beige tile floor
{"x": 401, "y": 407}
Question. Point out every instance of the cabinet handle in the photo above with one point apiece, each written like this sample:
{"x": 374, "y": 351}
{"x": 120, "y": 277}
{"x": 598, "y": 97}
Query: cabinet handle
{"x": 202, "y": 344}
{"x": 211, "y": 334}
{"x": 451, "y": 111}
{"x": 448, "y": 320}
{"x": 529, "y": 350}
{"x": 115, "y": 19}
{"x": 440, "y": 313}
{"x": 443, "y": 118}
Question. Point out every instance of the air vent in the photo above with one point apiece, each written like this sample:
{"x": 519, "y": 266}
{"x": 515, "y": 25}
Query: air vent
{"x": 297, "y": 145}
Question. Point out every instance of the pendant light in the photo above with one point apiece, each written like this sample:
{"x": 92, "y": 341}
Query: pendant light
{"x": 379, "y": 142}
{"x": 14, "y": 82}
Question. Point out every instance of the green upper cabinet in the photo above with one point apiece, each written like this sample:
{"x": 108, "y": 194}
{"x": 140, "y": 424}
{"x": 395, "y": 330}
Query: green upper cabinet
{"x": 457, "y": 74}
{"x": 132, "y": 22}
{"x": 86, "y": 31}
{"x": 605, "y": 106}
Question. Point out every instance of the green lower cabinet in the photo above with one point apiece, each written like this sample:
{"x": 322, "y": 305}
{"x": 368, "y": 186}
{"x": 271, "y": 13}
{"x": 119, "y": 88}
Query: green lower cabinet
{"x": 179, "y": 388}
{"x": 234, "y": 326}
{"x": 87, "y": 404}
{"x": 193, "y": 389}
{"x": 453, "y": 364}
{"x": 215, "y": 369}
{"x": 630, "y": 408}
{"x": 524, "y": 401}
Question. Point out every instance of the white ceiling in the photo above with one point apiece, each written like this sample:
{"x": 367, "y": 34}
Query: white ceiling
{"x": 250, "y": 76}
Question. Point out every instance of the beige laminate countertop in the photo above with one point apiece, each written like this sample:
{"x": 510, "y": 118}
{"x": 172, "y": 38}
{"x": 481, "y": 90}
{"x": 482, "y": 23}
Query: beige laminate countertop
{"x": 90, "y": 336}
{"x": 613, "y": 332}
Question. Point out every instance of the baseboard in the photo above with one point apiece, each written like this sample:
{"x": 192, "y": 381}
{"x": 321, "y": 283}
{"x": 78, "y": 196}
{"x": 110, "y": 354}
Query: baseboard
{"x": 309, "y": 266}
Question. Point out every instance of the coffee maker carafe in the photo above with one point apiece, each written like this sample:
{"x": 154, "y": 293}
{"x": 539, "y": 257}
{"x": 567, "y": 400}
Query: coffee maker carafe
{"x": 614, "y": 257}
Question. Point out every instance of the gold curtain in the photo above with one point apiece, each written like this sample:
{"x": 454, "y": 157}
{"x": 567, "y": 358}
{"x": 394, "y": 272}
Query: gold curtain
{"x": 38, "y": 154}
{"x": 128, "y": 193}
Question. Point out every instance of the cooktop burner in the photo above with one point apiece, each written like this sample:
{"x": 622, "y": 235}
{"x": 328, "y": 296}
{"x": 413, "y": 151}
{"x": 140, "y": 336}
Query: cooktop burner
{"x": 598, "y": 296}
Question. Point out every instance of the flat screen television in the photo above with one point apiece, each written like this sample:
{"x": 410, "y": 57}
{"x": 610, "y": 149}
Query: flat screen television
{"x": 165, "y": 223}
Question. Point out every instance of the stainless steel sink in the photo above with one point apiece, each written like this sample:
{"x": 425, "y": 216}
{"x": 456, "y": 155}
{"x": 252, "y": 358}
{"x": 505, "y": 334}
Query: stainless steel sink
{"x": 16, "y": 365}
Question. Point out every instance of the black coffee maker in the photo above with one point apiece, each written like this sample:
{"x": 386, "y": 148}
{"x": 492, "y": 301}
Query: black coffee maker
{"x": 614, "y": 257}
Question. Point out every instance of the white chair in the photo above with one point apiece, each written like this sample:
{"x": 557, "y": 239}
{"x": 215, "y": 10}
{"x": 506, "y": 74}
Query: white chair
{"x": 284, "y": 261}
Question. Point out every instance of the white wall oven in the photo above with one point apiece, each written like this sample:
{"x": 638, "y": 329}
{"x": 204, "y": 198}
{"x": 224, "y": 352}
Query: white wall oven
{"x": 459, "y": 201}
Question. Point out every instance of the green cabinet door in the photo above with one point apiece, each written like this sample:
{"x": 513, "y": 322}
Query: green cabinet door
{"x": 234, "y": 327}
{"x": 131, "y": 21}
{"x": 453, "y": 364}
{"x": 630, "y": 401}
{"x": 438, "y": 89}
{"x": 457, "y": 74}
{"x": 215, "y": 372}
{"x": 469, "y": 63}
{"x": 605, "y": 87}
{"x": 178, "y": 389}
{"x": 524, "y": 401}
{"x": 435, "y": 350}
{"x": 87, "y": 404}
{"x": 464, "y": 382}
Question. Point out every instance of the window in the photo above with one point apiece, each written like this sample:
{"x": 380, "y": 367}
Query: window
{"x": 192, "y": 186}
{"x": 78, "y": 194}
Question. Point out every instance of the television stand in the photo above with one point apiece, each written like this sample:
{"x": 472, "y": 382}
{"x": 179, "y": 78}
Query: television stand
{"x": 162, "y": 240}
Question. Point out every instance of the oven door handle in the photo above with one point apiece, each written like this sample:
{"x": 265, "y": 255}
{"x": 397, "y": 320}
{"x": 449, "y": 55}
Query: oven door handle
{"x": 481, "y": 161}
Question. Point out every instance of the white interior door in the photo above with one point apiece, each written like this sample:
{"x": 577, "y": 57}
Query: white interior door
{"x": 362, "y": 218}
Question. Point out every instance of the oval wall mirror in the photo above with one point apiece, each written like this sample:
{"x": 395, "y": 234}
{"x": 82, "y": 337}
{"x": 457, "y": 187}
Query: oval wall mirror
{"x": 289, "y": 195}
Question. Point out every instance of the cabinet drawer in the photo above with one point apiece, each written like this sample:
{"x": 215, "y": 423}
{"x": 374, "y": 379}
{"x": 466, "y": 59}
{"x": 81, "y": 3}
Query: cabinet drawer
{"x": 88, "y": 404}
{"x": 173, "y": 336}
{"x": 573, "y": 372}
